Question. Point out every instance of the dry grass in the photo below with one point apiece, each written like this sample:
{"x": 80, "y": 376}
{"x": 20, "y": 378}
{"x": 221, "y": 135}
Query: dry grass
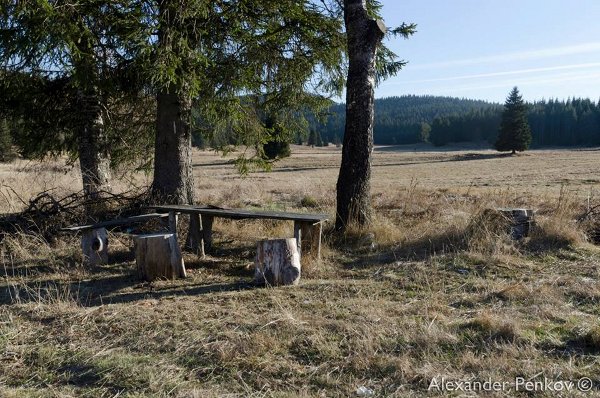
{"x": 433, "y": 289}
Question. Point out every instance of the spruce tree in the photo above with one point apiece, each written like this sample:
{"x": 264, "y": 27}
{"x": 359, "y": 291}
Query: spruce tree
{"x": 312, "y": 138}
{"x": 515, "y": 134}
{"x": 319, "y": 139}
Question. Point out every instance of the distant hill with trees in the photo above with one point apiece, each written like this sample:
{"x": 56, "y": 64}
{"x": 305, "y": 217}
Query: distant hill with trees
{"x": 400, "y": 120}
{"x": 412, "y": 119}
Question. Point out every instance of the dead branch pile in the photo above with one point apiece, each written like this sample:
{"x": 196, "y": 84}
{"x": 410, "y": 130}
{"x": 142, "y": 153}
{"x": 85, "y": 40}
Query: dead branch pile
{"x": 46, "y": 213}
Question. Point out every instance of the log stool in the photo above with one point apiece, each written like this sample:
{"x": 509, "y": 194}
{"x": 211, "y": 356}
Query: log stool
{"x": 277, "y": 262}
{"x": 94, "y": 245}
{"x": 157, "y": 256}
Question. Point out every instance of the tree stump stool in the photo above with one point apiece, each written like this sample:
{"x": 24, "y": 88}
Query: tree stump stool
{"x": 521, "y": 221}
{"x": 94, "y": 244}
{"x": 157, "y": 256}
{"x": 277, "y": 262}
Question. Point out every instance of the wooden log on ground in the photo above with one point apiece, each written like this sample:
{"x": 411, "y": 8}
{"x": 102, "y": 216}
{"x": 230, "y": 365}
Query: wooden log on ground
{"x": 157, "y": 256}
{"x": 94, "y": 244}
{"x": 277, "y": 262}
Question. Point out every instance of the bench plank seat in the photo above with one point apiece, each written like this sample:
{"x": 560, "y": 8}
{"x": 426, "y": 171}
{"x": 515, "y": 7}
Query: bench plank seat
{"x": 239, "y": 214}
{"x": 116, "y": 223}
{"x": 308, "y": 227}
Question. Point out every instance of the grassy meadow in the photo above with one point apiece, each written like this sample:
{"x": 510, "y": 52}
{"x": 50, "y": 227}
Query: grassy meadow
{"x": 431, "y": 290}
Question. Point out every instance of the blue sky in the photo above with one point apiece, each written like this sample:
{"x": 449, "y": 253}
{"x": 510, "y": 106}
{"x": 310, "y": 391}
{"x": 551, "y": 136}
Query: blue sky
{"x": 482, "y": 48}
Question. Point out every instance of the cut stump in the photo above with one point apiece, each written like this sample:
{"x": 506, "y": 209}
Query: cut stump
{"x": 157, "y": 256}
{"x": 94, "y": 244}
{"x": 521, "y": 221}
{"x": 277, "y": 262}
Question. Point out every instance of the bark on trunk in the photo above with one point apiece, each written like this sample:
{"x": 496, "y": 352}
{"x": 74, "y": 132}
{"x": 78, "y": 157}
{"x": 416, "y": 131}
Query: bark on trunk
{"x": 364, "y": 34}
{"x": 173, "y": 179}
{"x": 94, "y": 158}
{"x": 94, "y": 155}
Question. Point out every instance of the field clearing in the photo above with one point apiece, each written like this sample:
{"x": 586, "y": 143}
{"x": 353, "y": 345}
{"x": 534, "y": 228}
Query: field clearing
{"x": 539, "y": 172}
{"x": 430, "y": 291}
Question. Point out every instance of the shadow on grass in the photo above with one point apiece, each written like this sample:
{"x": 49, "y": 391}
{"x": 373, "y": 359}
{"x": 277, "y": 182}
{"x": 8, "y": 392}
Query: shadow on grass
{"x": 42, "y": 266}
{"x": 585, "y": 344}
{"x": 358, "y": 257}
{"x": 479, "y": 156}
{"x": 215, "y": 164}
{"x": 105, "y": 290}
{"x": 117, "y": 281}
{"x": 227, "y": 261}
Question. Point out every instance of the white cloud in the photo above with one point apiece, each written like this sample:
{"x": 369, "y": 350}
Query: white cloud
{"x": 515, "y": 56}
{"x": 550, "y": 80}
{"x": 504, "y": 73}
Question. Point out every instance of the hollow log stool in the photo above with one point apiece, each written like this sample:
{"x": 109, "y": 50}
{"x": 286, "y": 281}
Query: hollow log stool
{"x": 277, "y": 262}
{"x": 94, "y": 244}
{"x": 157, "y": 256}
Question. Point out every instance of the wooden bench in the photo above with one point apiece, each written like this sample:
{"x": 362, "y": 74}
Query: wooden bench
{"x": 94, "y": 238}
{"x": 308, "y": 228}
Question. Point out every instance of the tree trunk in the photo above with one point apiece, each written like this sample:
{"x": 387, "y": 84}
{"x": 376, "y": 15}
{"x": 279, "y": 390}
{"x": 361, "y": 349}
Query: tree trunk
{"x": 94, "y": 155}
{"x": 173, "y": 179}
{"x": 364, "y": 34}
{"x": 94, "y": 158}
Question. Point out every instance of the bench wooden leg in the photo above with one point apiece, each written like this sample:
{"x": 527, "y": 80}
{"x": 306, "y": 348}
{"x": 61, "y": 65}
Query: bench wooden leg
{"x": 173, "y": 222}
{"x": 207, "y": 224}
{"x": 310, "y": 238}
{"x": 298, "y": 236}
{"x": 196, "y": 243}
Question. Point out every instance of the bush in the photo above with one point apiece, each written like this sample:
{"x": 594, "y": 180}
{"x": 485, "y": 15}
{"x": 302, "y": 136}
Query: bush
{"x": 309, "y": 201}
{"x": 277, "y": 149}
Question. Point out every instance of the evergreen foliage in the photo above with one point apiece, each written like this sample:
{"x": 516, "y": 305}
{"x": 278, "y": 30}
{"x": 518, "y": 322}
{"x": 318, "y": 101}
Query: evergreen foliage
{"x": 53, "y": 55}
{"x": 515, "y": 134}
{"x": 276, "y": 150}
{"x": 277, "y": 147}
{"x": 7, "y": 153}
{"x": 398, "y": 120}
{"x": 312, "y": 137}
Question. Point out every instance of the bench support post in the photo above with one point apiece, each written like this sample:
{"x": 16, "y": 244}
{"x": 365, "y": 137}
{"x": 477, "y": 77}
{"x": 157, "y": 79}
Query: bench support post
{"x": 195, "y": 241}
{"x": 207, "y": 224}
{"x": 298, "y": 236}
{"x": 308, "y": 236}
{"x": 173, "y": 222}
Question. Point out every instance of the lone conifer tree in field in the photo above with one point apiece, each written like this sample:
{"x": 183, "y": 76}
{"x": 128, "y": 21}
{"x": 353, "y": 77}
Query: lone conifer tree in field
{"x": 514, "y": 134}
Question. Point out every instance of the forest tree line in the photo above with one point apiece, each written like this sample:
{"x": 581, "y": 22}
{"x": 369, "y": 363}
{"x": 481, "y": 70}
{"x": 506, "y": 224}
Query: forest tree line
{"x": 441, "y": 120}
